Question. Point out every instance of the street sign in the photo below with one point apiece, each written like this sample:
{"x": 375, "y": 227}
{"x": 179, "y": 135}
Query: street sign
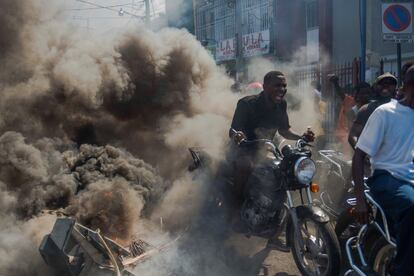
{"x": 397, "y": 22}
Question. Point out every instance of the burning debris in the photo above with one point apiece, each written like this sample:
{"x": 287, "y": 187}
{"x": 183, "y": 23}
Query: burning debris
{"x": 73, "y": 249}
{"x": 103, "y": 187}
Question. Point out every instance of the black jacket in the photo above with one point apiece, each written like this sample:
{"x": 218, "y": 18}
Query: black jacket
{"x": 259, "y": 119}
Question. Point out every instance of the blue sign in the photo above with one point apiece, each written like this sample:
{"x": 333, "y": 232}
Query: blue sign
{"x": 397, "y": 18}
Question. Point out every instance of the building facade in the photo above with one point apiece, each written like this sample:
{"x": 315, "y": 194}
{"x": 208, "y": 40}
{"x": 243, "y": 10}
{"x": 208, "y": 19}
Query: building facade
{"x": 347, "y": 42}
{"x": 321, "y": 30}
{"x": 229, "y": 37}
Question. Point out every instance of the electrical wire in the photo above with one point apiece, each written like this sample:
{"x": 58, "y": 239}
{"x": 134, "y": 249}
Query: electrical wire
{"x": 97, "y": 8}
{"x": 111, "y": 9}
{"x": 98, "y": 17}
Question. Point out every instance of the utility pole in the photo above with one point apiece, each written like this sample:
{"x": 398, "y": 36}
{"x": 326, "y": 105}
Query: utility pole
{"x": 147, "y": 12}
{"x": 238, "y": 37}
{"x": 399, "y": 63}
{"x": 363, "y": 30}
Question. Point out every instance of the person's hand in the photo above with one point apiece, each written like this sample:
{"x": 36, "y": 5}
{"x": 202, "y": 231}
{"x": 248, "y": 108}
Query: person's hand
{"x": 333, "y": 78}
{"x": 361, "y": 211}
{"x": 238, "y": 137}
{"x": 308, "y": 136}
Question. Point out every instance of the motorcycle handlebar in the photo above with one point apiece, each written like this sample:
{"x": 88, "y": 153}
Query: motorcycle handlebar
{"x": 266, "y": 142}
{"x": 299, "y": 143}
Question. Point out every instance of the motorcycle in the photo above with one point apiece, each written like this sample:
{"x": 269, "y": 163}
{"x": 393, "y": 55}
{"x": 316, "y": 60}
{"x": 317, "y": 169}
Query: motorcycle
{"x": 309, "y": 234}
{"x": 373, "y": 244}
{"x": 334, "y": 173}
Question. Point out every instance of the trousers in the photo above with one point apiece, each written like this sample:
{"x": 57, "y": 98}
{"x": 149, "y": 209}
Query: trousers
{"x": 396, "y": 197}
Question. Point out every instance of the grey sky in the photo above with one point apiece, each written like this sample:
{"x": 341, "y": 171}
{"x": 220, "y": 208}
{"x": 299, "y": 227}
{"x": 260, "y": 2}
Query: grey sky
{"x": 109, "y": 19}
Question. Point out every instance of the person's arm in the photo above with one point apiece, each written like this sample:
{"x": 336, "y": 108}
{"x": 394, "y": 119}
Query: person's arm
{"x": 337, "y": 88}
{"x": 354, "y": 133}
{"x": 239, "y": 122}
{"x": 284, "y": 128}
{"x": 289, "y": 134}
{"x": 358, "y": 126}
{"x": 361, "y": 209}
{"x": 369, "y": 143}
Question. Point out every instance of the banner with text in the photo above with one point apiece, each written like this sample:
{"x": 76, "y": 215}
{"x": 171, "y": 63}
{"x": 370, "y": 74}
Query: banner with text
{"x": 226, "y": 50}
{"x": 255, "y": 44}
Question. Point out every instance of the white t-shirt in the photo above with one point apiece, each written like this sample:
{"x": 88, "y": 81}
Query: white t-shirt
{"x": 388, "y": 137}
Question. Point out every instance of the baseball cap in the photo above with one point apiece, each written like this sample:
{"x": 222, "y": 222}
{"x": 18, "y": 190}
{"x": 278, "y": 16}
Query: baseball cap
{"x": 385, "y": 76}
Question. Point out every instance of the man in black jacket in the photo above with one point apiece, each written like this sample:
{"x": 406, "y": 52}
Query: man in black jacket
{"x": 260, "y": 117}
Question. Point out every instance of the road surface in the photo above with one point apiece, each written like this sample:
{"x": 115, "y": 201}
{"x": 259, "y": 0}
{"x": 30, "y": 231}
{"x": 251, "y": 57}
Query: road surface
{"x": 269, "y": 262}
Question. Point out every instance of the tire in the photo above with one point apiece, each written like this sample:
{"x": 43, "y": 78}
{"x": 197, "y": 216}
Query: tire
{"x": 329, "y": 241}
{"x": 381, "y": 257}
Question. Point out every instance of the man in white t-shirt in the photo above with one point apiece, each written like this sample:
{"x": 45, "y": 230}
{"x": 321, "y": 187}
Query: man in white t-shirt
{"x": 388, "y": 138}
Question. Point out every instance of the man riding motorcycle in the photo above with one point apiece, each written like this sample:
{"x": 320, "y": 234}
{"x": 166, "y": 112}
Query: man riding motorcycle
{"x": 260, "y": 117}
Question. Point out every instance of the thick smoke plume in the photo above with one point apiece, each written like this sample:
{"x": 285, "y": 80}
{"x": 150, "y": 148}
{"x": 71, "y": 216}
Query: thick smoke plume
{"x": 88, "y": 120}
{"x": 79, "y": 115}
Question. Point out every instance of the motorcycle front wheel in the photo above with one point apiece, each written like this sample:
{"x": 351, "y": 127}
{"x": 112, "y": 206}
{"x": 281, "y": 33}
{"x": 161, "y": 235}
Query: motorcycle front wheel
{"x": 319, "y": 252}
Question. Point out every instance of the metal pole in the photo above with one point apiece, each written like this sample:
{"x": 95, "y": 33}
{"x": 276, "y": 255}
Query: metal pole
{"x": 399, "y": 63}
{"x": 147, "y": 12}
{"x": 363, "y": 31}
{"x": 239, "y": 37}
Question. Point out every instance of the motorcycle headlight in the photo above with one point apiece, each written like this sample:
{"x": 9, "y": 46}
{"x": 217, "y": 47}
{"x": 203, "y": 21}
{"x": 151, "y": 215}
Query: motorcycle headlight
{"x": 305, "y": 170}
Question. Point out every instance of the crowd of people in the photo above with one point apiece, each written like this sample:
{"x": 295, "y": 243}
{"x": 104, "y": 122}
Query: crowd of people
{"x": 353, "y": 107}
{"x": 387, "y": 137}
{"x": 376, "y": 120}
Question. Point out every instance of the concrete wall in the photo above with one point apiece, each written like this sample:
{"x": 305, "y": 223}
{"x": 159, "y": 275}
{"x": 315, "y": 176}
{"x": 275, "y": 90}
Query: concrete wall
{"x": 289, "y": 28}
{"x": 346, "y": 40}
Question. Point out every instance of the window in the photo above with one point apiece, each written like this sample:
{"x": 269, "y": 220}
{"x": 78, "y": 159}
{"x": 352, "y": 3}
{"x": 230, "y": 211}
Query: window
{"x": 265, "y": 18}
{"x": 229, "y": 30}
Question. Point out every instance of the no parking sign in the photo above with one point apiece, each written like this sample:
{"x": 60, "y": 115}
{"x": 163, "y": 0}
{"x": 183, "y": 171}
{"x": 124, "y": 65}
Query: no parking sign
{"x": 397, "y": 22}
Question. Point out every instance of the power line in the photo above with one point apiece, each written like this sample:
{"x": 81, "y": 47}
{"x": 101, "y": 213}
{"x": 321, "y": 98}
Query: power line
{"x": 108, "y": 8}
{"x": 130, "y": 18}
{"x": 97, "y": 17}
{"x": 97, "y": 8}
